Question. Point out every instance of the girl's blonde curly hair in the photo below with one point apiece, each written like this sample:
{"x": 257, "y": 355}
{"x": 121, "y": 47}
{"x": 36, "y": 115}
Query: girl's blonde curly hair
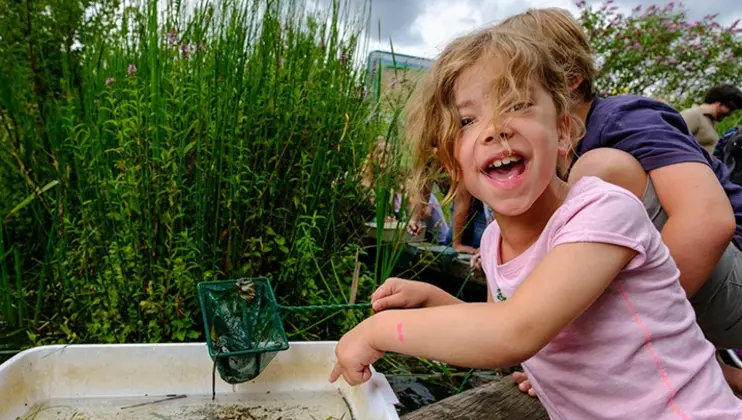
{"x": 433, "y": 120}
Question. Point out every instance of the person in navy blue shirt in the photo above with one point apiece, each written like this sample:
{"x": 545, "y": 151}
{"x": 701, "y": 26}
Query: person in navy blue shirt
{"x": 645, "y": 146}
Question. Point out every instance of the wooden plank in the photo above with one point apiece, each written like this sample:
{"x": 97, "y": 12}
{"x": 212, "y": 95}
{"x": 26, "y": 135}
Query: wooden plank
{"x": 497, "y": 400}
{"x": 456, "y": 265}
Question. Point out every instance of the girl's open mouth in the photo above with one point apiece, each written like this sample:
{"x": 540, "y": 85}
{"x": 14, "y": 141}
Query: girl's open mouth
{"x": 505, "y": 170}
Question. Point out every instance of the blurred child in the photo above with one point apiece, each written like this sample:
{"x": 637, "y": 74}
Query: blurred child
{"x": 430, "y": 214}
{"x": 425, "y": 210}
{"x": 587, "y": 295}
{"x": 374, "y": 166}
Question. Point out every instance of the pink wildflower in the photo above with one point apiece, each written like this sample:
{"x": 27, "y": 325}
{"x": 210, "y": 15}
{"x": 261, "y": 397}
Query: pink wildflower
{"x": 172, "y": 37}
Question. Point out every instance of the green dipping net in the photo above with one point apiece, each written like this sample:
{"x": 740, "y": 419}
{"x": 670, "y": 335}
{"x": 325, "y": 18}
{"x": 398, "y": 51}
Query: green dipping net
{"x": 242, "y": 325}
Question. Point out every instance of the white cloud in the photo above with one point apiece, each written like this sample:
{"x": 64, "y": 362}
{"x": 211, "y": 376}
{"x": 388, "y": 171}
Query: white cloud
{"x": 425, "y": 29}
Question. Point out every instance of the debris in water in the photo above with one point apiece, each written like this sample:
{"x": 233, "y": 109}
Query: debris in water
{"x": 213, "y": 371}
{"x": 168, "y": 398}
{"x": 347, "y": 405}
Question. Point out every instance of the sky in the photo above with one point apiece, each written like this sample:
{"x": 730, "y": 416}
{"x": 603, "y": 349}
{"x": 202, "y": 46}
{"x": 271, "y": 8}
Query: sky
{"x": 423, "y": 27}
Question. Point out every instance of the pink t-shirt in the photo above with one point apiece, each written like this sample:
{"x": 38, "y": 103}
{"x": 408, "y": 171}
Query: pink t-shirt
{"x": 637, "y": 352}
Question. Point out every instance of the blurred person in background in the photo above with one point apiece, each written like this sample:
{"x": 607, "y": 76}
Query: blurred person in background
{"x": 719, "y": 103}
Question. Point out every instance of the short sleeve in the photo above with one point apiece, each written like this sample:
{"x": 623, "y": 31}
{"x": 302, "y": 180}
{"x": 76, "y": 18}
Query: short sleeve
{"x": 606, "y": 215}
{"x": 654, "y": 133}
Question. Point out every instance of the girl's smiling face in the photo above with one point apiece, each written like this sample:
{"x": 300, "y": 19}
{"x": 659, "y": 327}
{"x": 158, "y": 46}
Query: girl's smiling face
{"x": 507, "y": 159}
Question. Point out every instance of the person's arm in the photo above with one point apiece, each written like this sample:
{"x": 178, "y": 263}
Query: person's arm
{"x": 485, "y": 335}
{"x": 461, "y": 206}
{"x": 700, "y": 222}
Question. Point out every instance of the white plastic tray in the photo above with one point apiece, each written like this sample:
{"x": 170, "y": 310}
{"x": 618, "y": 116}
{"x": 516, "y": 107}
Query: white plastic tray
{"x": 116, "y": 382}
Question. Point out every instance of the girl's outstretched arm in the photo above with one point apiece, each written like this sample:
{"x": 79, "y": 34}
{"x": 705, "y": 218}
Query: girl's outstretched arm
{"x": 484, "y": 335}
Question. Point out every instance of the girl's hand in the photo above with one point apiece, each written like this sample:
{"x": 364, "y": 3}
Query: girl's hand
{"x": 355, "y": 355}
{"x": 476, "y": 260}
{"x": 524, "y": 385}
{"x": 414, "y": 228}
{"x": 400, "y": 293}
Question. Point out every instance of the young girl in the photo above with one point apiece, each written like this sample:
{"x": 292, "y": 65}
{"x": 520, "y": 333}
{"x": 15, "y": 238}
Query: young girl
{"x": 587, "y": 295}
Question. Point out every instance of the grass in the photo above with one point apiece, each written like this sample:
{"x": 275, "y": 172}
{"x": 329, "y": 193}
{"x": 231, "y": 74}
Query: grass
{"x": 179, "y": 146}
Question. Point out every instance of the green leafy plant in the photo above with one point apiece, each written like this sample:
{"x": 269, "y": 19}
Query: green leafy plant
{"x": 163, "y": 146}
{"x": 658, "y": 50}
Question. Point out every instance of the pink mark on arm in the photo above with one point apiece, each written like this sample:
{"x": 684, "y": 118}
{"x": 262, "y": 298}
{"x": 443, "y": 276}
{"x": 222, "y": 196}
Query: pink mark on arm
{"x": 400, "y": 336}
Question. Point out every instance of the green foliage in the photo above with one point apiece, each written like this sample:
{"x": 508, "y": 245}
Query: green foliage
{"x": 162, "y": 147}
{"x": 658, "y": 51}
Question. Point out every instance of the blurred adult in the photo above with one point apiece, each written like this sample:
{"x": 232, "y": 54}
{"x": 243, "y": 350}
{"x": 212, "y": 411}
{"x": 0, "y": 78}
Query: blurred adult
{"x": 719, "y": 103}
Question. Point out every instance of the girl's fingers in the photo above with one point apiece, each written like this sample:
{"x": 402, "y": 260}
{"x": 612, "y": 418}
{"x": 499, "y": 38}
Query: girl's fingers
{"x": 366, "y": 374}
{"x": 391, "y": 301}
{"x": 336, "y": 372}
{"x": 382, "y": 291}
{"x": 386, "y": 289}
{"x": 357, "y": 377}
{"x": 519, "y": 377}
{"x": 525, "y": 386}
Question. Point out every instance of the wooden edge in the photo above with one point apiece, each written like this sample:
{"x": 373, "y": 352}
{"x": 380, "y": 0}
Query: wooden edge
{"x": 497, "y": 400}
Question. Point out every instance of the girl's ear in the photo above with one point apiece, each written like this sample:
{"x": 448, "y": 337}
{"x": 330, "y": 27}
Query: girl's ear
{"x": 576, "y": 82}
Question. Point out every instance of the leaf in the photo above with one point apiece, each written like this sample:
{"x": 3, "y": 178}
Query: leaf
{"x": 30, "y": 198}
{"x": 188, "y": 147}
{"x": 180, "y": 335}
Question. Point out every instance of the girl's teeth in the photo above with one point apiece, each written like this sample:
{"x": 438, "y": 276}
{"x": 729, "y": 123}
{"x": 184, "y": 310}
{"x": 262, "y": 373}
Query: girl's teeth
{"x": 506, "y": 161}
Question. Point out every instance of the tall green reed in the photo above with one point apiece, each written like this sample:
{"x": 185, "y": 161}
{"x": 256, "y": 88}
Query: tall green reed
{"x": 180, "y": 145}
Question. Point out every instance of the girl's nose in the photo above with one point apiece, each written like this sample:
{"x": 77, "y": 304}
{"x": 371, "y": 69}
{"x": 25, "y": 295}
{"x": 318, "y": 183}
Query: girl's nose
{"x": 496, "y": 132}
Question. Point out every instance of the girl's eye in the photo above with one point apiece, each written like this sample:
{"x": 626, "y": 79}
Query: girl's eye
{"x": 519, "y": 107}
{"x": 466, "y": 121}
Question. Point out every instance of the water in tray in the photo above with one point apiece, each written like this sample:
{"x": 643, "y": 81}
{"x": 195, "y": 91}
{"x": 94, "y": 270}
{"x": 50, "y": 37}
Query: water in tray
{"x": 269, "y": 406}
